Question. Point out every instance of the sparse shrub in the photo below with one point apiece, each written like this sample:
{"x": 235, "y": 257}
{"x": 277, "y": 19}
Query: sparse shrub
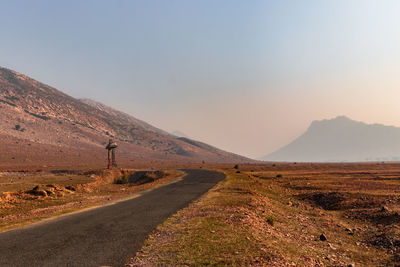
{"x": 18, "y": 127}
{"x": 279, "y": 176}
{"x": 236, "y": 167}
{"x": 12, "y": 98}
{"x": 123, "y": 179}
{"x": 8, "y": 103}
{"x": 271, "y": 220}
{"x": 37, "y": 115}
{"x": 273, "y": 165}
{"x": 159, "y": 174}
{"x": 118, "y": 181}
{"x": 237, "y": 171}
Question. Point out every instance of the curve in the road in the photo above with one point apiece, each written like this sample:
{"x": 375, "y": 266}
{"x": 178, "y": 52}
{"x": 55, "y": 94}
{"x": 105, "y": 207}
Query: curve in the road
{"x": 105, "y": 236}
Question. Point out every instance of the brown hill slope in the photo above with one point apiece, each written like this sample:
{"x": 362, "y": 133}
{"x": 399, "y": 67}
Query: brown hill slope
{"x": 40, "y": 125}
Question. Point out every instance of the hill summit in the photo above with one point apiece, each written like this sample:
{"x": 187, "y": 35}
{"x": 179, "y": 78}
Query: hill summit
{"x": 41, "y": 125}
{"x": 342, "y": 139}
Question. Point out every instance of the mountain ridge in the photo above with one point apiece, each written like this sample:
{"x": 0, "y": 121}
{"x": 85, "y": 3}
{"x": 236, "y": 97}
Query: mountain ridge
{"x": 37, "y": 119}
{"x": 342, "y": 139}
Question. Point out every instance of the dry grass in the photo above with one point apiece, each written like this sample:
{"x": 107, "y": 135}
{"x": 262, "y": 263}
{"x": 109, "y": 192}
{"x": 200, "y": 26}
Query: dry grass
{"x": 257, "y": 218}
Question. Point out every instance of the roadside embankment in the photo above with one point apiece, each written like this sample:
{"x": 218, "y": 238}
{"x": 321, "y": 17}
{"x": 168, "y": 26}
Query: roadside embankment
{"x": 27, "y": 197}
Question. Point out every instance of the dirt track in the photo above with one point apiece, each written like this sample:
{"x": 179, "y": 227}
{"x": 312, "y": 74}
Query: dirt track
{"x": 105, "y": 236}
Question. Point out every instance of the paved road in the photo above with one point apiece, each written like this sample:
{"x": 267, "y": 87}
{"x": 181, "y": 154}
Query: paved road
{"x": 105, "y": 236}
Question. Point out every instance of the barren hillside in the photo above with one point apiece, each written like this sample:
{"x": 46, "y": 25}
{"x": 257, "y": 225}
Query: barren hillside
{"x": 42, "y": 126}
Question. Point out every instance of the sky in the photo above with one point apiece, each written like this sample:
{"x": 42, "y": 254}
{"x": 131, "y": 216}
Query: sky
{"x": 245, "y": 76}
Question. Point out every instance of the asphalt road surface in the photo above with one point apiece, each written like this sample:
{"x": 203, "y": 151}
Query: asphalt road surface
{"x": 105, "y": 236}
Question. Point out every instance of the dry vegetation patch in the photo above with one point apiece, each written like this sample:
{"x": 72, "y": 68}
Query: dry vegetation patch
{"x": 286, "y": 215}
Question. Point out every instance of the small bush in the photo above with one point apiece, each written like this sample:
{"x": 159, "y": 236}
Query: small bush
{"x": 271, "y": 220}
{"x": 8, "y": 103}
{"x": 279, "y": 176}
{"x": 37, "y": 115}
{"x": 159, "y": 174}
{"x": 236, "y": 166}
{"x": 123, "y": 179}
{"x": 17, "y": 127}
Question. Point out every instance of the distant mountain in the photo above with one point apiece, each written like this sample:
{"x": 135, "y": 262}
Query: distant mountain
{"x": 342, "y": 139}
{"x": 41, "y": 125}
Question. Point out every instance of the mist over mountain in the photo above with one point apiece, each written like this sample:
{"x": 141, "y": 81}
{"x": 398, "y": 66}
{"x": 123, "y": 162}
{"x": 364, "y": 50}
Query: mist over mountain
{"x": 41, "y": 125}
{"x": 342, "y": 139}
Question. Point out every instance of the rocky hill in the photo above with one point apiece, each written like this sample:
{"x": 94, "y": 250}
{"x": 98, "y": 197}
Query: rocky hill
{"x": 40, "y": 125}
{"x": 342, "y": 139}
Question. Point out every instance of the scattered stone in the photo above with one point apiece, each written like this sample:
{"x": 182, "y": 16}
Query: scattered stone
{"x": 384, "y": 209}
{"x": 70, "y": 188}
{"x": 349, "y": 231}
{"x": 332, "y": 247}
{"x": 322, "y": 237}
{"x": 49, "y": 192}
{"x": 37, "y": 192}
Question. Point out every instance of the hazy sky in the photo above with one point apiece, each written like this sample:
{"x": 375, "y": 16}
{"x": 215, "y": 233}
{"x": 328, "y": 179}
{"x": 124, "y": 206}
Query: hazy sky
{"x": 245, "y": 76}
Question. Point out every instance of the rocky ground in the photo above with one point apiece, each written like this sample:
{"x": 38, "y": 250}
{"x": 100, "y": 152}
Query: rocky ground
{"x": 287, "y": 215}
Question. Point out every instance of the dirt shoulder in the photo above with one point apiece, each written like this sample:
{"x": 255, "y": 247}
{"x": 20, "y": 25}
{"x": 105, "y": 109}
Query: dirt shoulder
{"x": 29, "y": 197}
{"x": 259, "y": 218}
{"x": 105, "y": 236}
